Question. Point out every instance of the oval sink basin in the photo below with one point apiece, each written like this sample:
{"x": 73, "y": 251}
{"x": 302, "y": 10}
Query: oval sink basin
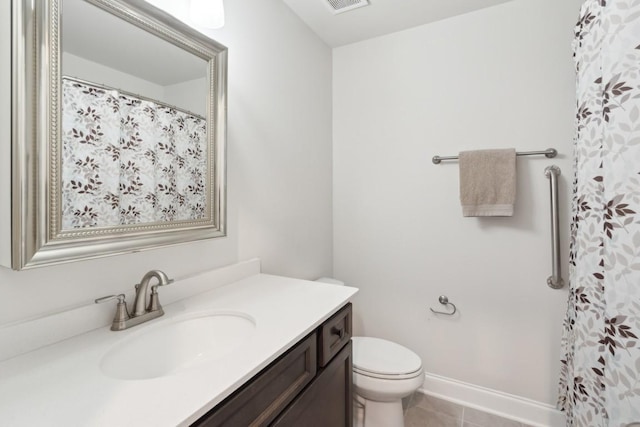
{"x": 177, "y": 344}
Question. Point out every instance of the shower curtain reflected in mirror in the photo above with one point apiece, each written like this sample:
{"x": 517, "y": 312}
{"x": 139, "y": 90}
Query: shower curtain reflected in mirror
{"x": 600, "y": 380}
{"x": 128, "y": 160}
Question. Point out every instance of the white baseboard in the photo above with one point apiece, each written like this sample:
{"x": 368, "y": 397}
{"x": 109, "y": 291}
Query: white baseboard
{"x": 494, "y": 402}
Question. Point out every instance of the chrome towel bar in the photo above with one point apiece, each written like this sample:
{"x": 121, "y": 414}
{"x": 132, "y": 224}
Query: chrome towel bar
{"x": 550, "y": 153}
{"x": 555, "y": 280}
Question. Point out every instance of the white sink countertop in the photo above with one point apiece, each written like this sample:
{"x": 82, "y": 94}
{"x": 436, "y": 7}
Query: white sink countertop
{"x": 62, "y": 384}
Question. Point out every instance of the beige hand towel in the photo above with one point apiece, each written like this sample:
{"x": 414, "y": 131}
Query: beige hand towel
{"x": 488, "y": 182}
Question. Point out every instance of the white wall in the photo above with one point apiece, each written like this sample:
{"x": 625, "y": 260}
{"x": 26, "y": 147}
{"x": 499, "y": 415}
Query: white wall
{"x": 280, "y": 116}
{"x": 499, "y": 77}
{"x": 279, "y": 209}
{"x": 190, "y": 95}
{"x": 81, "y": 68}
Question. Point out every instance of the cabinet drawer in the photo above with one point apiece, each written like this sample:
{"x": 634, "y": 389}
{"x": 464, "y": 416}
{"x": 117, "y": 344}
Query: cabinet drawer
{"x": 259, "y": 402}
{"x": 334, "y": 334}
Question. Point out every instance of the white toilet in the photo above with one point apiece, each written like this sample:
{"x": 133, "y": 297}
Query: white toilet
{"x": 383, "y": 373}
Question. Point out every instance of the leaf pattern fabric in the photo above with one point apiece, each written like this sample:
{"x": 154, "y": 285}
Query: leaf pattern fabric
{"x": 127, "y": 160}
{"x": 600, "y": 378}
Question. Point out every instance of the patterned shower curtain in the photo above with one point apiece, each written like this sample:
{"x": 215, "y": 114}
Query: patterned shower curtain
{"x": 600, "y": 381}
{"x": 128, "y": 160}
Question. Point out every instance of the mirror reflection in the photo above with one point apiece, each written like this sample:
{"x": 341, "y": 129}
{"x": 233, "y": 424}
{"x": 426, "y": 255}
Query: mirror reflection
{"x": 134, "y": 135}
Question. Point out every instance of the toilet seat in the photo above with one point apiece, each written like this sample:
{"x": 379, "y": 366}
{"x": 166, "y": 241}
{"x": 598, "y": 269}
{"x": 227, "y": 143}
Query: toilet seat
{"x": 379, "y": 358}
{"x": 388, "y": 376}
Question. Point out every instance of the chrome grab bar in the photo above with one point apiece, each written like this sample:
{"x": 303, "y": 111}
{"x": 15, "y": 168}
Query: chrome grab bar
{"x": 555, "y": 280}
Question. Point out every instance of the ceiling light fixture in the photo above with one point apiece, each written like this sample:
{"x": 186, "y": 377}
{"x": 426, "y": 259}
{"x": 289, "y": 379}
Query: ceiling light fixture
{"x": 207, "y": 13}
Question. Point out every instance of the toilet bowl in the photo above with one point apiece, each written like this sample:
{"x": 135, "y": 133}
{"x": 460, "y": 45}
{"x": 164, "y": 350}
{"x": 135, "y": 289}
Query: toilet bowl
{"x": 384, "y": 372}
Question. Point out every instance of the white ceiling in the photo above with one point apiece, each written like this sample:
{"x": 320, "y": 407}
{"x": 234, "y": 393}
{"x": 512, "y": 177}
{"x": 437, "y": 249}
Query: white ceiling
{"x": 379, "y": 18}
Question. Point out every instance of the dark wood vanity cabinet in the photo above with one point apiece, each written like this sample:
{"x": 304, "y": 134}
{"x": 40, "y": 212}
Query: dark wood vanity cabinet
{"x": 327, "y": 401}
{"x": 310, "y": 385}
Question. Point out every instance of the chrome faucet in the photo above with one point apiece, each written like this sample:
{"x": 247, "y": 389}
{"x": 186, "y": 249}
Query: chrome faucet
{"x": 141, "y": 311}
{"x": 139, "y": 307}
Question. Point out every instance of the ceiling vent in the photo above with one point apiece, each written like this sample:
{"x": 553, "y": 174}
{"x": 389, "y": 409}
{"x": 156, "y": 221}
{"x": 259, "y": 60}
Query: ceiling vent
{"x": 341, "y": 6}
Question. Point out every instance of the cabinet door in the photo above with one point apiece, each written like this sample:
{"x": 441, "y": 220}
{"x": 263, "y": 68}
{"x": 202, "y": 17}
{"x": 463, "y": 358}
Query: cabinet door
{"x": 265, "y": 396}
{"x": 327, "y": 402}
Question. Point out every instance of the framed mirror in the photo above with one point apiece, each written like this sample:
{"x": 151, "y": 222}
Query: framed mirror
{"x": 118, "y": 131}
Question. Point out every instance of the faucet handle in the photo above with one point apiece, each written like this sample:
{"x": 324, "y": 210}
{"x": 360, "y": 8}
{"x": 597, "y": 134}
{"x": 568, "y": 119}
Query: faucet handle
{"x": 119, "y": 297}
{"x": 154, "y": 302}
{"x": 122, "y": 315}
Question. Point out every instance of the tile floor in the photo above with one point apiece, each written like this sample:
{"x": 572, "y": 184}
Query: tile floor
{"x": 421, "y": 410}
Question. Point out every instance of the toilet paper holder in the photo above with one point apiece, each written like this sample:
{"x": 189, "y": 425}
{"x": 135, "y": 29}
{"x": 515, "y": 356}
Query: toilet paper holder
{"x": 444, "y": 300}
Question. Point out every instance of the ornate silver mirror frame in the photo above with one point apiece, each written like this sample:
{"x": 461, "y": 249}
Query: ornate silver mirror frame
{"x": 37, "y": 235}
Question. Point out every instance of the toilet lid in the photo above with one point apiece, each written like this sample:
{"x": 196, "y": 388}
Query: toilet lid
{"x": 382, "y": 357}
